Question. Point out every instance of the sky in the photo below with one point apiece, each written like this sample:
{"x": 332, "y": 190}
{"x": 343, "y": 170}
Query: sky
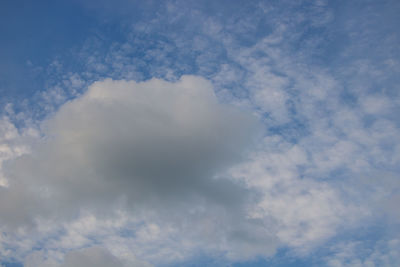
{"x": 199, "y": 133}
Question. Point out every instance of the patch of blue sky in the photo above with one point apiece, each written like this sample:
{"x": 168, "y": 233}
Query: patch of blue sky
{"x": 33, "y": 34}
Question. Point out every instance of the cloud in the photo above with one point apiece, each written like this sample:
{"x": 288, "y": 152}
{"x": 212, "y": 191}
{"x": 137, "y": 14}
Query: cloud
{"x": 356, "y": 253}
{"x": 91, "y": 257}
{"x": 157, "y": 150}
{"x": 305, "y": 212}
{"x": 86, "y": 257}
{"x": 147, "y": 142}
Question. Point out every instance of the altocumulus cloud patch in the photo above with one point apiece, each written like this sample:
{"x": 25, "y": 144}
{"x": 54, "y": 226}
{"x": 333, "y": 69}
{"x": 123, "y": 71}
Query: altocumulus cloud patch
{"x": 94, "y": 256}
{"x": 153, "y": 149}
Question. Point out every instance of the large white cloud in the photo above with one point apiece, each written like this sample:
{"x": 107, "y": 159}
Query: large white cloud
{"x": 157, "y": 150}
{"x": 141, "y": 143}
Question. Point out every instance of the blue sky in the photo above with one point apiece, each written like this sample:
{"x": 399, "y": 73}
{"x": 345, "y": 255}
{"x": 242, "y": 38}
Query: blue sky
{"x": 199, "y": 133}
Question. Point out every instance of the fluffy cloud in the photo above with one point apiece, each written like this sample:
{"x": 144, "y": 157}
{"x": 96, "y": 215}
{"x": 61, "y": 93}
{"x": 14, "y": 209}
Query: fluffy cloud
{"x": 157, "y": 150}
{"x": 149, "y": 142}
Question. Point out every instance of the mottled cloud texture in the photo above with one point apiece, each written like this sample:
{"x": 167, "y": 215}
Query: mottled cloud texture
{"x": 200, "y": 133}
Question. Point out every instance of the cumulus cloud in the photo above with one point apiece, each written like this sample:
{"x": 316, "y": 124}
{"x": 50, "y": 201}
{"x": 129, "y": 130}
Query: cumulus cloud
{"x": 157, "y": 150}
{"x": 139, "y": 143}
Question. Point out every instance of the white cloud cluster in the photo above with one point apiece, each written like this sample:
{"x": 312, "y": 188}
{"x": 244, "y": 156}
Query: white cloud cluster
{"x": 331, "y": 156}
{"x": 155, "y": 149}
{"x": 10, "y": 144}
{"x": 305, "y": 211}
{"x": 384, "y": 253}
{"x": 149, "y": 142}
